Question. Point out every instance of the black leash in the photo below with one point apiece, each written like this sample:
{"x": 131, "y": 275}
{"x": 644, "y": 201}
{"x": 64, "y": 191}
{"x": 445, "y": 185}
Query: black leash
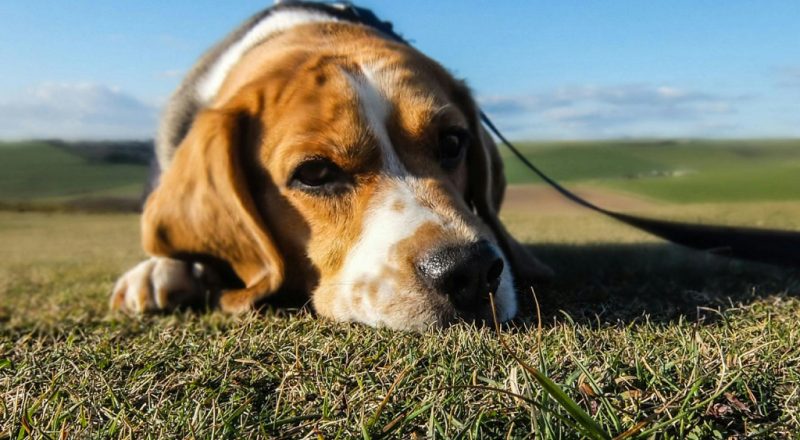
{"x": 764, "y": 245}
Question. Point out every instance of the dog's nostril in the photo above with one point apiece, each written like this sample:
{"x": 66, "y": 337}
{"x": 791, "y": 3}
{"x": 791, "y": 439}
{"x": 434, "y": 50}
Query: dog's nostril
{"x": 495, "y": 270}
{"x": 458, "y": 281}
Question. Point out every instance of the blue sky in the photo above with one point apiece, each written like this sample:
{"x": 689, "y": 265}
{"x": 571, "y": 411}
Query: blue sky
{"x": 544, "y": 70}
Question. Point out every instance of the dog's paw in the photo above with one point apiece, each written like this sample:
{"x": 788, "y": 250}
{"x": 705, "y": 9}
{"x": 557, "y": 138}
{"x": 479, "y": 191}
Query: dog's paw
{"x": 160, "y": 284}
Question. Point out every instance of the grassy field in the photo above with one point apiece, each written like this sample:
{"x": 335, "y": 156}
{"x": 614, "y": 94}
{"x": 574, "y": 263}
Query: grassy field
{"x": 685, "y": 172}
{"x": 42, "y": 174}
{"x": 644, "y": 335}
{"x": 38, "y": 172}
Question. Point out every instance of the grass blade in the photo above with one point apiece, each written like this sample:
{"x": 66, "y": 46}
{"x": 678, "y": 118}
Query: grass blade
{"x": 588, "y": 425}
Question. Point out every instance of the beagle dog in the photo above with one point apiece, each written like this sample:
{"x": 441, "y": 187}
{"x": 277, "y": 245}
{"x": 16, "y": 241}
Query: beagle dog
{"x": 312, "y": 156}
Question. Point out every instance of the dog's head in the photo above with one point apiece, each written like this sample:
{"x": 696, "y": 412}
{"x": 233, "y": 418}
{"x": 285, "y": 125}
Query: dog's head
{"x": 357, "y": 172}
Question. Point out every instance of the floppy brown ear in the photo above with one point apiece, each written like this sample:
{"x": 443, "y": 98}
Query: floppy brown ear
{"x": 487, "y": 185}
{"x": 203, "y": 208}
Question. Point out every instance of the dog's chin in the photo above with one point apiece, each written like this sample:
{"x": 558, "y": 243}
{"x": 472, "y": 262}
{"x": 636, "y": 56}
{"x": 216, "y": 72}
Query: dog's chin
{"x": 440, "y": 313}
{"x": 500, "y": 308}
{"x": 488, "y": 315}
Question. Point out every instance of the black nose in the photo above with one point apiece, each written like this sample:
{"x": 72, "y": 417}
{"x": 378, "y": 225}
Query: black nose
{"x": 466, "y": 274}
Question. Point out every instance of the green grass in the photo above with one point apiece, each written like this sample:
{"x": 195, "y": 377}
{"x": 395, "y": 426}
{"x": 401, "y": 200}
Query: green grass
{"x": 38, "y": 171}
{"x": 747, "y": 183}
{"x": 692, "y": 171}
{"x": 687, "y": 345}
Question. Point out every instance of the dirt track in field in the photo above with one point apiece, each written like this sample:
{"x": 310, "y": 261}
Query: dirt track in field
{"x": 536, "y": 198}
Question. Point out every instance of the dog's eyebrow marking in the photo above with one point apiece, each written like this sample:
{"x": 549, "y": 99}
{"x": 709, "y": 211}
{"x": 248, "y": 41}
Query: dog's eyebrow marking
{"x": 441, "y": 110}
{"x": 278, "y": 21}
{"x": 376, "y": 109}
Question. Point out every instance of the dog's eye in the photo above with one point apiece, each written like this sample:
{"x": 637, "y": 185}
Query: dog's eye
{"x": 453, "y": 144}
{"x": 320, "y": 175}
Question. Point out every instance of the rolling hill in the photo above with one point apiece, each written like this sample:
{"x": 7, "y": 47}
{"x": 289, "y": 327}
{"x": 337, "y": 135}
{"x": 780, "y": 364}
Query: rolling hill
{"x": 684, "y": 172}
{"x": 41, "y": 174}
{"x": 45, "y": 173}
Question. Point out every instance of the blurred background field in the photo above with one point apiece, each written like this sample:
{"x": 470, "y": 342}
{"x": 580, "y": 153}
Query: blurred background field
{"x": 672, "y": 171}
{"x": 52, "y": 174}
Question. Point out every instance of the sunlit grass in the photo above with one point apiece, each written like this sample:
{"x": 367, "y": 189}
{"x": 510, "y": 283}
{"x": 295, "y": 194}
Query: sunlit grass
{"x": 645, "y": 338}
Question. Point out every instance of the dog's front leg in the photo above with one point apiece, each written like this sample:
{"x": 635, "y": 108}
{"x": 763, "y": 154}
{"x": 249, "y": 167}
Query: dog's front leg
{"x": 163, "y": 284}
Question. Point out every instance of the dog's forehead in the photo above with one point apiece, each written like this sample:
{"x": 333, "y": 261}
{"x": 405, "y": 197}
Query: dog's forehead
{"x": 341, "y": 95}
{"x": 310, "y": 50}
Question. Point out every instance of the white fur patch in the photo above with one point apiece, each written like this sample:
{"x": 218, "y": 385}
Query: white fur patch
{"x": 506, "y": 297}
{"x": 376, "y": 108}
{"x": 368, "y": 277}
{"x": 275, "y": 22}
{"x": 369, "y": 260}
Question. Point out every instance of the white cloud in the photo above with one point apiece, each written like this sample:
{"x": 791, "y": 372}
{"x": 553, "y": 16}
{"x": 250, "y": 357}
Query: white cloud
{"x": 76, "y": 111}
{"x": 789, "y": 76}
{"x": 613, "y": 111}
{"x": 171, "y": 73}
